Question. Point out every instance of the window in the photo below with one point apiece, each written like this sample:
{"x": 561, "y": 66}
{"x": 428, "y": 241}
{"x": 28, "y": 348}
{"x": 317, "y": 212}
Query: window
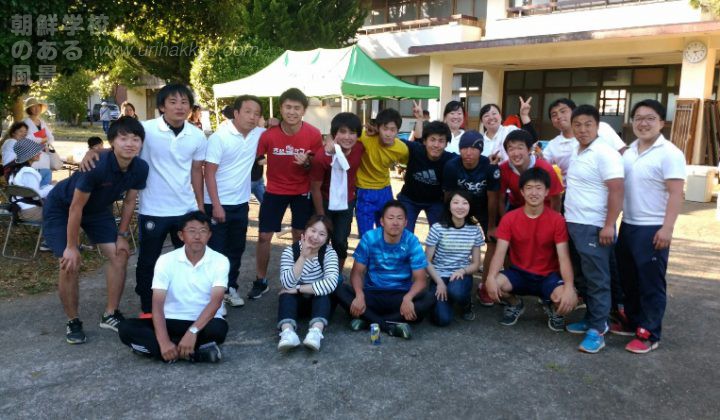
{"x": 380, "y": 12}
{"x": 612, "y": 101}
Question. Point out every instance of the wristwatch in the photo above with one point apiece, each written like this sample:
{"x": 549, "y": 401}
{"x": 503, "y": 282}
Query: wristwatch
{"x": 124, "y": 234}
{"x": 193, "y": 329}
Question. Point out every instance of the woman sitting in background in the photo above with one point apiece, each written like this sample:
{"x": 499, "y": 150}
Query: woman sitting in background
{"x": 23, "y": 174}
{"x": 16, "y": 132}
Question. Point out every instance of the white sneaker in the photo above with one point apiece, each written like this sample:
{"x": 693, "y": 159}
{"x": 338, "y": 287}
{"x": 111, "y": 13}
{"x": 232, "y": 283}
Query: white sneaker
{"x": 233, "y": 298}
{"x": 313, "y": 338}
{"x": 223, "y": 310}
{"x": 288, "y": 340}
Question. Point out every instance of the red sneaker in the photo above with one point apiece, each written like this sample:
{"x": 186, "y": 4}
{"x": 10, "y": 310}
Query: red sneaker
{"x": 145, "y": 315}
{"x": 619, "y": 323}
{"x": 642, "y": 344}
{"x": 483, "y": 297}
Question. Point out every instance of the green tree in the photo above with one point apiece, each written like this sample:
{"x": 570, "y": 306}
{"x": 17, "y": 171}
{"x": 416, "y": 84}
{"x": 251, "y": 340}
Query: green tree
{"x": 711, "y": 5}
{"x": 70, "y": 93}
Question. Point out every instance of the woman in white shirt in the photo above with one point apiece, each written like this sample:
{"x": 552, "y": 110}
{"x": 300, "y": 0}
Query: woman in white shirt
{"x": 454, "y": 117}
{"x": 39, "y": 132}
{"x": 495, "y": 132}
{"x": 16, "y": 132}
{"x": 22, "y": 174}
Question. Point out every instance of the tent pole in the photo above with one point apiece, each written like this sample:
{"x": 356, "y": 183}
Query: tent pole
{"x": 364, "y": 110}
{"x": 217, "y": 114}
{"x": 271, "y": 107}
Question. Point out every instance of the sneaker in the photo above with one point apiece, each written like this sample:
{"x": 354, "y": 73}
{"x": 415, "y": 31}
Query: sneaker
{"x": 400, "y": 329}
{"x": 483, "y": 297}
{"x": 620, "y": 328}
{"x": 580, "y": 327}
{"x": 288, "y": 340}
{"x": 232, "y": 297}
{"x": 259, "y": 288}
{"x": 44, "y": 247}
{"x": 642, "y": 344}
{"x": 223, "y": 310}
{"x": 511, "y": 313}
{"x": 556, "y": 322}
{"x": 145, "y": 315}
{"x": 313, "y": 338}
{"x": 74, "y": 333}
{"x": 207, "y": 353}
{"x": 580, "y": 304}
{"x": 110, "y": 322}
{"x": 468, "y": 314}
{"x": 593, "y": 342}
{"x": 357, "y": 324}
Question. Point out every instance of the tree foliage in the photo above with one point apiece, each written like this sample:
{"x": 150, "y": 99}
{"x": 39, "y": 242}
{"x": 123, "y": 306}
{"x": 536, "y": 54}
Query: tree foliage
{"x": 70, "y": 93}
{"x": 711, "y": 5}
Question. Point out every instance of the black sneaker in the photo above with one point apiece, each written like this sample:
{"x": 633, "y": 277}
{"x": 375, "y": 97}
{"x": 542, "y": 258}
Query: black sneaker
{"x": 44, "y": 247}
{"x": 511, "y": 313}
{"x": 468, "y": 314}
{"x": 556, "y": 322}
{"x": 400, "y": 329}
{"x": 259, "y": 288}
{"x": 74, "y": 332}
{"x": 111, "y": 322}
{"x": 208, "y": 353}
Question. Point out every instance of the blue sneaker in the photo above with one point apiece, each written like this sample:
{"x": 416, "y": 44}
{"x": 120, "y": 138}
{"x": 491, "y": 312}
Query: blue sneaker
{"x": 580, "y": 327}
{"x": 593, "y": 342}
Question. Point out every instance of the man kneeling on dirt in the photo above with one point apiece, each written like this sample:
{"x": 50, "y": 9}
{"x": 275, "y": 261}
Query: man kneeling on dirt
{"x": 188, "y": 289}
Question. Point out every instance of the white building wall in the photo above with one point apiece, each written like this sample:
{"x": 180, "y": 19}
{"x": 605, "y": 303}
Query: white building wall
{"x": 396, "y": 44}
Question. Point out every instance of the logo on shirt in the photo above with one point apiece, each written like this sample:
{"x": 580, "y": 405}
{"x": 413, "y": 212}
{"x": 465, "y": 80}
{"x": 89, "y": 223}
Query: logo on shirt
{"x": 150, "y": 225}
{"x": 475, "y": 188}
{"x": 289, "y": 150}
{"x": 426, "y": 177}
{"x": 496, "y": 174}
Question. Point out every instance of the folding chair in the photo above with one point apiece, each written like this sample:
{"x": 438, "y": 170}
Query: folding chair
{"x": 17, "y": 194}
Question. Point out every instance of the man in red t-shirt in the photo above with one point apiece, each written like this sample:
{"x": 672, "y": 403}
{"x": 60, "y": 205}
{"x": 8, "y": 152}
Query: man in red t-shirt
{"x": 539, "y": 256}
{"x": 518, "y": 145}
{"x": 332, "y": 178}
{"x": 289, "y": 148}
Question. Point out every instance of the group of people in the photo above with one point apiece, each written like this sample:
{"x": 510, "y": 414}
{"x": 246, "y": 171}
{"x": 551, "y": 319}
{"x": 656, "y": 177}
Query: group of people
{"x": 492, "y": 188}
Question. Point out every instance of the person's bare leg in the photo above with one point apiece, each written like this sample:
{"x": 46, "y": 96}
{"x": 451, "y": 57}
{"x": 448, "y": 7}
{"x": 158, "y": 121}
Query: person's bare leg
{"x": 262, "y": 253}
{"x": 69, "y": 290}
{"x": 115, "y": 272}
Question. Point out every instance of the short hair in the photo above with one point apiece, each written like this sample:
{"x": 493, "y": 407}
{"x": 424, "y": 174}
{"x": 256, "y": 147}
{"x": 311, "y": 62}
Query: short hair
{"x": 94, "y": 141}
{"x": 197, "y": 216}
{"x": 388, "y": 115}
{"x": 294, "y": 94}
{"x": 486, "y": 108}
{"x": 652, "y": 104}
{"x": 588, "y": 110}
{"x": 519, "y": 136}
{"x": 561, "y": 101}
{"x": 174, "y": 89}
{"x": 325, "y": 220}
{"x": 535, "y": 174}
{"x": 127, "y": 104}
{"x": 240, "y": 99}
{"x": 426, "y": 113}
{"x": 227, "y": 112}
{"x": 437, "y": 127}
{"x": 393, "y": 203}
{"x": 453, "y": 106}
{"x": 447, "y": 214}
{"x": 15, "y": 127}
{"x": 123, "y": 126}
{"x": 348, "y": 120}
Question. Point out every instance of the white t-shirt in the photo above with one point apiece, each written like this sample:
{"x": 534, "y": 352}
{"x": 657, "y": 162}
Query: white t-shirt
{"x": 495, "y": 144}
{"x": 645, "y": 174}
{"x": 189, "y": 287}
{"x": 169, "y": 190}
{"x": 560, "y": 149}
{"x": 30, "y": 178}
{"x": 453, "y": 145}
{"x": 234, "y": 154}
{"x": 44, "y": 162}
{"x": 587, "y": 195}
{"x": 8, "y": 153}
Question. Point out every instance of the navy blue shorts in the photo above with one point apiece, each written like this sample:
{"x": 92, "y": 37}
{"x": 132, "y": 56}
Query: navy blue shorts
{"x": 99, "y": 227}
{"x": 272, "y": 211}
{"x": 524, "y": 283}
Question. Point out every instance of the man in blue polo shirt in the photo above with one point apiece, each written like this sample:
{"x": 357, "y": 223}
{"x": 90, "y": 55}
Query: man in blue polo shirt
{"x": 85, "y": 200}
{"x": 388, "y": 277}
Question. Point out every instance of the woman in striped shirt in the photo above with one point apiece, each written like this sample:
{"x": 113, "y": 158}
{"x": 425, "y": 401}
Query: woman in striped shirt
{"x": 453, "y": 252}
{"x": 309, "y": 274}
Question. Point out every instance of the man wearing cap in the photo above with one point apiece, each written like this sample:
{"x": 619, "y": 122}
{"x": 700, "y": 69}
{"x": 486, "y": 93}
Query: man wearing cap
{"x": 22, "y": 174}
{"x": 85, "y": 200}
{"x": 39, "y": 132}
{"x": 474, "y": 173}
{"x": 105, "y": 116}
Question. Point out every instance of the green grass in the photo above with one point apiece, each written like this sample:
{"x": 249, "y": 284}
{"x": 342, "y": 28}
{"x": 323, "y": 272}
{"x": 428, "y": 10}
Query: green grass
{"x": 79, "y": 134}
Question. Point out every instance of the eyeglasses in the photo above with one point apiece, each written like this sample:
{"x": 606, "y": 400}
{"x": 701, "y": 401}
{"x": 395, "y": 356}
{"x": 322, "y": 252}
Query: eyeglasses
{"x": 195, "y": 232}
{"x": 651, "y": 119}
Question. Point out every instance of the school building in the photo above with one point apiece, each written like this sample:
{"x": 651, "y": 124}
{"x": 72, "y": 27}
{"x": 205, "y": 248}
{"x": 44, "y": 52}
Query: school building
{"x": 608, "y": 53}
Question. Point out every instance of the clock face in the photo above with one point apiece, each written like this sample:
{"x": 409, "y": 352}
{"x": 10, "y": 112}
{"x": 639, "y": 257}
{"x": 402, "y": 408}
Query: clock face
{"x": 695, "y": 52}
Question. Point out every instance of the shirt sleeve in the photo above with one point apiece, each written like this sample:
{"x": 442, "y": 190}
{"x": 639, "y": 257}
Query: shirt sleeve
{"x": 418, "y": 260}
{"x": 404, "y": 154}
{"x": 561, "y": 233}
{"x": 201, "y": 150}
{"x": 29, "y": 180}
{"x": 362, "y": 254}
{"x": 263, "y": 143}
{"x": 449, "y": 177}
{"x": 504, "y": 230}
{"x": 319, "y": 167}
{"x": 142, "y": 175}
{"x": 214, "y": 150}
{"x": 479, "y": 237}
{"x": 504, "y": 176}
{"x": 287, "y": 263}
{"x": 610, "y": 165}
{"x": 86, "y": 181}
{"x": 548, "y": 152}
{"x": 556, "y": 186}
{"x": 611, "y": 138}
{"x": 222, "y": 268}
{"x": 673, "y": 165}
{"x": 493, "y": 178}
{"x": 433, "y": 235}
{"x": 330, "y": 274}
{"x": 161, "y": 277}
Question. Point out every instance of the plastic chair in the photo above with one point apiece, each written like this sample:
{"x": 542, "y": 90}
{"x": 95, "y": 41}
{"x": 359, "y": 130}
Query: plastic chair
{"x": 17, "y": 193}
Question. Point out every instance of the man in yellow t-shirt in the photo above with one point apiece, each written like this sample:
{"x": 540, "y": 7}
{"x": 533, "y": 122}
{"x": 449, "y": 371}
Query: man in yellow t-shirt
{"x": 382, "y": 151}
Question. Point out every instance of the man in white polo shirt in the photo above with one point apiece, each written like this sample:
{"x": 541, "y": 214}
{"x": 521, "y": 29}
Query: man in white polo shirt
{"x": 654, "y": 177}
{"x": 228, "y": 165}
{"x": 188, "y": 290}
{"x": 592, "y": 205}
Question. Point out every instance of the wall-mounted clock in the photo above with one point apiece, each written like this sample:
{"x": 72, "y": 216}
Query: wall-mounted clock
{"x": 695, "y": 52}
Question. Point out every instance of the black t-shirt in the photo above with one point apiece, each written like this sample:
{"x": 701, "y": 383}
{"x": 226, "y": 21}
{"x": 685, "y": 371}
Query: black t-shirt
{"x": 477, "y": 181}
{"x": 424, "y": 177}
{"x": 256, "y": 172}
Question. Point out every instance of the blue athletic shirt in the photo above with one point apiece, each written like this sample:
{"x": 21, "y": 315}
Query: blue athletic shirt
{"x": 106, "y": 183}
{"x": 389, "y": 266}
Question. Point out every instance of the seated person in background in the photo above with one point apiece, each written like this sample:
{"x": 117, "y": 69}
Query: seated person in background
{"x": 539, "y": 256}
{"x": 453, "y": 250}
{"x": 309, "y": 274}
{"x": 518, "y": 145}
{"x": 95, "y": 143}
{"x": 24, "y": 175}
{"x": 388, "y": 279}
{"x": 188, "y": 291}
{"x": 16, "y": 132}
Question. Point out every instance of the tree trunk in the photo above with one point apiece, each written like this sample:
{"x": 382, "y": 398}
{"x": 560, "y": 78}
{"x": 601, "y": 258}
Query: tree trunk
{"x": 17, "y": 109}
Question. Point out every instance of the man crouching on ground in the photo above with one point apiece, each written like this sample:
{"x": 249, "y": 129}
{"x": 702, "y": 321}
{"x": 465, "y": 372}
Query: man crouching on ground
{"x": 188, "y": 289}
